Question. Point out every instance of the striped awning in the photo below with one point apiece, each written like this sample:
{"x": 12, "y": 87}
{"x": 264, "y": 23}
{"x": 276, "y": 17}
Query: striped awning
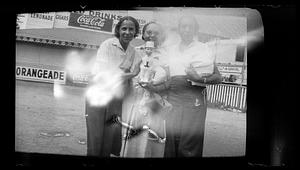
{"x": 63, "y": 37}
{"x": 71, "y": 37}
{"x": 56, "y": 42}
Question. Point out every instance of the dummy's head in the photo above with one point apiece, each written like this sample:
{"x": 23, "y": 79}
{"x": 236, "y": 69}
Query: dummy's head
{"x": 149, "y": 46}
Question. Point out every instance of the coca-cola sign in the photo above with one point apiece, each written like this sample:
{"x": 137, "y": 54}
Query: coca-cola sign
{"x": 90, "y": 22}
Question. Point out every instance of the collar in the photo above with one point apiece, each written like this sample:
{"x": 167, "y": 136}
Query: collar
{"x": 116, "y": 42}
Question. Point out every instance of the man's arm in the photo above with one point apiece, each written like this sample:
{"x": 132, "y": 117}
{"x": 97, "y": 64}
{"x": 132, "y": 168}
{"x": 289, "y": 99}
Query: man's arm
{"x": 214, "y": 78}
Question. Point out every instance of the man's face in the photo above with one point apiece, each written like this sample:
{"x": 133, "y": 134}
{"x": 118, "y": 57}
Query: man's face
{"x": 127, "y": 31}
{"x": 187, "y": 29}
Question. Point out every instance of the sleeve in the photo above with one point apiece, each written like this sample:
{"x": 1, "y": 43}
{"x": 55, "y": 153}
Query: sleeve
{"x": 102, "y": 58}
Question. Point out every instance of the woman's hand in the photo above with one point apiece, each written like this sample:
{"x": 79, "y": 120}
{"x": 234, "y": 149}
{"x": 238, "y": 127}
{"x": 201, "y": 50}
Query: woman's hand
{"x": 129, "y": 75}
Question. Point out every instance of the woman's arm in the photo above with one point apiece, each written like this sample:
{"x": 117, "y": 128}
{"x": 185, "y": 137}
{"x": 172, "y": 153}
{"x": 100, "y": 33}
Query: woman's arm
{"x": 135, "y": 72}
{"x": 135, "y": 68}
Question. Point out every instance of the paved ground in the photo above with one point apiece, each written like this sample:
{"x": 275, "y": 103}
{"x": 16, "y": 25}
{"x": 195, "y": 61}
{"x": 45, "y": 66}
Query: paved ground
{"x": 225, "y": 133}
{"x": 45, "y": 124}
{"x": 40, "y": 116}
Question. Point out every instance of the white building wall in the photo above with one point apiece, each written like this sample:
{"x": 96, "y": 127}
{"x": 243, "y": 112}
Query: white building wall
{"x": 27, "y": 53}
{"x": 50, "y": 55}
{"x": 226, "y": 53}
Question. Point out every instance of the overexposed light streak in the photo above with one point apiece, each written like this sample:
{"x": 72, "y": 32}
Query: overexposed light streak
{"x": 57, "y": 90}
{"x": 248, "y": 39}
{"x": 105, "y": 86}
{"x": 74, "y": 62}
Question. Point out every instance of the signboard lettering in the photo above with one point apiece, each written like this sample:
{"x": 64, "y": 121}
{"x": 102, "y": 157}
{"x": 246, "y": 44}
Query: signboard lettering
{"x": 42, "y": 16}
{"x": 90, "y": 22}
{"x": 105, "y": 15}
{"x": 231, "y": 69}
{"x": 80, "y": 78}
{"x": 232, "y": 74}
{"x": 61, "y": 17}
{"x": 39, "y": 74}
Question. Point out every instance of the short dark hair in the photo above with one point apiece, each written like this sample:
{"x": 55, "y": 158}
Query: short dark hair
{"x": 136, "y": 24}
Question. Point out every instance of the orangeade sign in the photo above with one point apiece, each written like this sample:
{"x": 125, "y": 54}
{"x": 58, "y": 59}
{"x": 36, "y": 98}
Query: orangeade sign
{"x": 40, "y": 74}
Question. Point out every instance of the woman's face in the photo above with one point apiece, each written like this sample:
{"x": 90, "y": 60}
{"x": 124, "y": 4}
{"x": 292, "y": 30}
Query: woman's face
{"x": 152, "y": 33}
{"x": 127, "y": 31}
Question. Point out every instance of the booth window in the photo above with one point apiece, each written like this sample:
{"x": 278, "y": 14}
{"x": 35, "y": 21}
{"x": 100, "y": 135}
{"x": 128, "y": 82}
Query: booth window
{"x": 240, "y": 51}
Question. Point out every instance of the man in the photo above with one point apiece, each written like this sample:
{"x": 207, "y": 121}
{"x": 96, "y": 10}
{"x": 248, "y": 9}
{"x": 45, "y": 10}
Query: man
{"x": 186, "y": 122}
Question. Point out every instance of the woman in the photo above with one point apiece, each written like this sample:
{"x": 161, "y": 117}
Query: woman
{"x": 186, "y": 122}
{"x": 117, "y": 57}
{"x": 150, "y": 142}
